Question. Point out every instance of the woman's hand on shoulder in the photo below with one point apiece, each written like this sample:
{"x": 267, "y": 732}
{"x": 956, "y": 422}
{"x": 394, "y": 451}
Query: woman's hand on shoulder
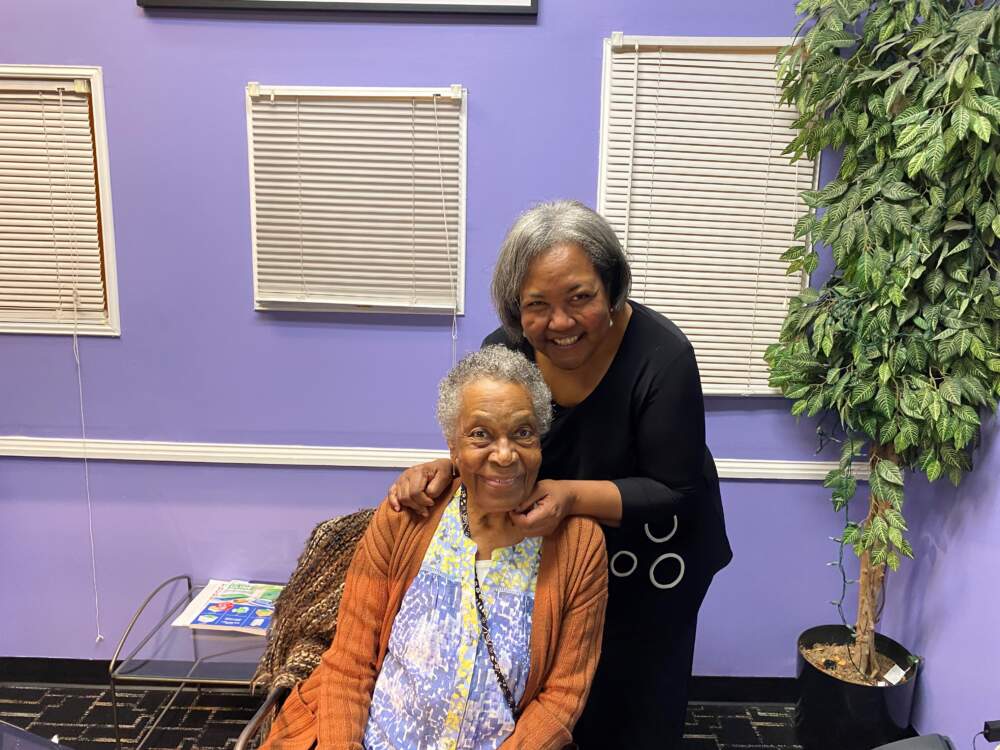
{"x": 542, "y": 512}
{"x": 418, "y": 487}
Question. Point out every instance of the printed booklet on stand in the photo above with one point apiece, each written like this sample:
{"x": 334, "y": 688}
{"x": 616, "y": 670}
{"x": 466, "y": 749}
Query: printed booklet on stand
{"x": 236, "y": 606}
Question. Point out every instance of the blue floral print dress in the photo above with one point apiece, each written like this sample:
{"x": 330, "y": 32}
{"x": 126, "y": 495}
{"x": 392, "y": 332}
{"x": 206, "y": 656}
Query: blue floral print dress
{"x": 437, "y": 688}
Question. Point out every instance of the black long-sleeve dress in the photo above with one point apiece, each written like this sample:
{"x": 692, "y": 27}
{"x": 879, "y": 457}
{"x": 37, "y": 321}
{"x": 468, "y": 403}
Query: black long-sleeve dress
{"x": 643, "y": 427}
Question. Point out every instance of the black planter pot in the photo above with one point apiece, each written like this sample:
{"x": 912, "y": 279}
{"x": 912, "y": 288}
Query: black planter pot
{"x": 835, "y": 715}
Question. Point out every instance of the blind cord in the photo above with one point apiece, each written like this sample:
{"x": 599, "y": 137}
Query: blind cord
{"x": 447, "y": 239}
{"x": 652, "y": 176}
{"x": 413, "y": 201}
{"x": 79, "y": 373}
{"x": 760, "y": 246}
{"x": 631, "y": 153}
{"x": 303, "y": 290}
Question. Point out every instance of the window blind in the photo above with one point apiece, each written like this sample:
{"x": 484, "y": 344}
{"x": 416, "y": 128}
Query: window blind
{"x": 53, "y": 273}
{"x": 694, "y": 181}
{"x": 358, "y": 197}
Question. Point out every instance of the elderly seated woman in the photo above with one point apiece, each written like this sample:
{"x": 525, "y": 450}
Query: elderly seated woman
{"x": 455, "y": 630}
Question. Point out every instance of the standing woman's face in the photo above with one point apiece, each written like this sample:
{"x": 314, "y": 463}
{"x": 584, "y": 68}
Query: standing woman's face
{"x": 565, "y": 311}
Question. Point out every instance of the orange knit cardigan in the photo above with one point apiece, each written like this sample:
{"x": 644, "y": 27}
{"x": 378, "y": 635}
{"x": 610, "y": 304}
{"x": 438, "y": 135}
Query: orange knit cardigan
{"x": 330, "y": 708}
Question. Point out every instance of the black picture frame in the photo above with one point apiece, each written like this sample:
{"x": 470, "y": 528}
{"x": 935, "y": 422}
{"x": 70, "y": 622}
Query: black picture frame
{"x": 411, "y": 6}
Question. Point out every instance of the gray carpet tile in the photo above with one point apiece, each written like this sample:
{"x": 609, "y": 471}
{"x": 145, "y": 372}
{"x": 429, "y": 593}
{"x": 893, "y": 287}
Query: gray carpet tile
{"x": 208, "y": 720}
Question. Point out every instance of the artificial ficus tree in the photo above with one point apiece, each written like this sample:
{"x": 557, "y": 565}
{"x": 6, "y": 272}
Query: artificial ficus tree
{"x": 902, "y": 342}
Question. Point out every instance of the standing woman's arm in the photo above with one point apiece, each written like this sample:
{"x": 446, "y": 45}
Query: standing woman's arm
{"x": 670, "y": 447}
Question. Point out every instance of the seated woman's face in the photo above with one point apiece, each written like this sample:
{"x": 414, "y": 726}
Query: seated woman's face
{"x": 496, "y": 448}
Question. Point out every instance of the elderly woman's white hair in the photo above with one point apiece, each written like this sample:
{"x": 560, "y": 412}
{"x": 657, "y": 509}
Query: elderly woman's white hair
{"x": 492, "y": 363}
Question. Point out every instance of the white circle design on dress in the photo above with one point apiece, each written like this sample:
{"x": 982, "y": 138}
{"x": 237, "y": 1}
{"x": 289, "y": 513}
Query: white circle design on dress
{"x": 657, "y": 561}
{"x": 619, "y": 553}
{"x": 660, "y": 539}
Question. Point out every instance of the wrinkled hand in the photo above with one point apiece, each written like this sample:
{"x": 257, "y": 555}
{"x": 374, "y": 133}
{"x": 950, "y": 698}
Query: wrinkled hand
{"x": 546, "y": 507}
{"x": 418, "y": 487}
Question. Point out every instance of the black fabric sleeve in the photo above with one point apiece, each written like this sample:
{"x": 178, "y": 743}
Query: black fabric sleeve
{"x": 498, "y": 336}
{"x": 670, "y": 446}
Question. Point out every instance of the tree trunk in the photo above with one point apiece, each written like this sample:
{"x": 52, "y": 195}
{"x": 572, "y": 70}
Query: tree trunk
{"x": 870, "y": 582}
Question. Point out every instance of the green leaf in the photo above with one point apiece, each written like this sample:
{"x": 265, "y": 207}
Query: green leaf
{"x": 959, "y": 69}
{"x": 805, "y": 224}
{"x": 880, "y": 529}
{"x": 888, "y": 471}
{"x": 865, "y": 391}
{"x": 951, "y": 391}
{"x": 887, "y": 432}
{"x": 894, "y": 68}
{"x": 916, "y": 355}
{"x": 899, "y": 191}
{"x": 985, "y": 215}
{"x": 895, "y": 536}
{"x": 908, "y": 435}
{"x": 934, "y": 154}
{"x": 987, "y": 104}
{"x": 910, "y": 406}
{"x": 832, "y": 190}
{"x": 852, "y": 534}
{"x": 885, "y": 401}
{"x": 963, "y": 341}
{"x": 882, "y": 214}
{"x": 981, "y": 127}
{"x": 833, "y": 478}
{"x": 901, "y": 219}
{"x": 892, "y": 560}
{"x": 895, "y": 519}
{"x": 967, "y": 414}
{"x": 960, "y": 120}
{"x": 793, "y": 253}
{"x": 934, "y": 283}
{"x": 934, "y": 470}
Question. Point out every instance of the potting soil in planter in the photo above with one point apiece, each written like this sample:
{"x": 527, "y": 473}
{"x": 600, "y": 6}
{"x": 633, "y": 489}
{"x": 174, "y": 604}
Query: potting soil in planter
{"x": 838, "y": 660}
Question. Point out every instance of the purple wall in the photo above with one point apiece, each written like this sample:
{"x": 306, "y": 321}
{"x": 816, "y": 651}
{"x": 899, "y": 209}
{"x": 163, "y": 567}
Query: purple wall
{"x": 196, "y": 363}
{"x": 944, "y": 606}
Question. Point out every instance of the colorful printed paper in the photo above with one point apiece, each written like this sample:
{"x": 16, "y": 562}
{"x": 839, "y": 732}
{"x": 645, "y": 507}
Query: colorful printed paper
{"x": 239, "y": 606}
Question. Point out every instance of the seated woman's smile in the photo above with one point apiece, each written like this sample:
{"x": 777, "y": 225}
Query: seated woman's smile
{"x": 498, "y": 454}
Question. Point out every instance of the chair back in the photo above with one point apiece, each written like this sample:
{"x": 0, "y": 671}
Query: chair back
{"x": 305, "y": 614}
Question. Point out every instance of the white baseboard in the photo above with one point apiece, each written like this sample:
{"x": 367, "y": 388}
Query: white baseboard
{"x": 336, "y": 456}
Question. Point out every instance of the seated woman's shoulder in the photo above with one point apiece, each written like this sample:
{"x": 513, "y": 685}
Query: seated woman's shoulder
{"x": 582, "y": 531}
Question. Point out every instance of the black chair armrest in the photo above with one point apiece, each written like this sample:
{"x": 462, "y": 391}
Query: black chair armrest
{"x": 273, "y": 702}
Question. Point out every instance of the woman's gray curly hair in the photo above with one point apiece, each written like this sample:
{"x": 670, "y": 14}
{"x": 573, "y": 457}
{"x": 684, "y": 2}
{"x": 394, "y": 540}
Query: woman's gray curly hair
{"x": 492, "y": 363}
{"x": 538, "y": 230}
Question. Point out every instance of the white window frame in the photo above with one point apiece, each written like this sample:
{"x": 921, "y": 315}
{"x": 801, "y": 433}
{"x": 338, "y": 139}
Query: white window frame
{"x": 363, "y": 304}
{"x": 619, "y": 40}
{"x": 94, "y": 77}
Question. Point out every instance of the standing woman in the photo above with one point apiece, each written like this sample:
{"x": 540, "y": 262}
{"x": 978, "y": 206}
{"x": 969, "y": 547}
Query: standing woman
{"x": 626, "y": 447}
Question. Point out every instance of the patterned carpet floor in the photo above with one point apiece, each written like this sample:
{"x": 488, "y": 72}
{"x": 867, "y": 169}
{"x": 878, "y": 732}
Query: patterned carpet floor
{"x": 82, "y": 718}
